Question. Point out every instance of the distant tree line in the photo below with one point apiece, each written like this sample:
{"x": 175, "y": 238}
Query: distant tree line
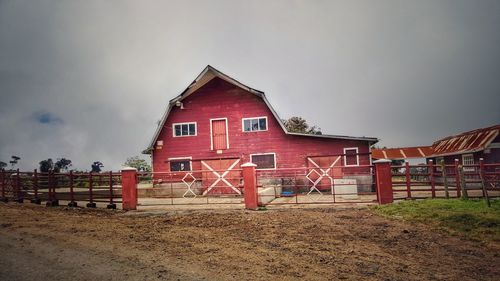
{"x": 13, "y": 162}
{"x": 64, "y": 165}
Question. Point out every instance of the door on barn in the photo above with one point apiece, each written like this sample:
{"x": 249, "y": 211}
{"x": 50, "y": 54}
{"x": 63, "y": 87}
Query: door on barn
{"x": 219, "y": 134}
{"x": 222, "y": 176}
{"x": 321, "y": 172}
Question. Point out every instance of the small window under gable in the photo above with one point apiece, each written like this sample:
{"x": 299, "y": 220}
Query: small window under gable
{"x": 255, "y": 124}
{"x": 184, "y": 129}
{"x": 351, "y": 157}
{"x": 264, "y": 160}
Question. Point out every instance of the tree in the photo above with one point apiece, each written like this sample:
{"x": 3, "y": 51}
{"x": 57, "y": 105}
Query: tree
{"x": 2, "y": 165}
{"x": 47, "y": 166}
{"x": 297, "y": 124}
{"x": 63, "y": 164}
{"x": 138, "y": 163}
{"x": 14, "y": 161}
{"x": 96, "y": 167}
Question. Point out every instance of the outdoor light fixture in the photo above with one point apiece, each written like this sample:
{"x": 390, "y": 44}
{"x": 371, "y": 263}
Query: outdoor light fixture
{"x": 179, "y": 104}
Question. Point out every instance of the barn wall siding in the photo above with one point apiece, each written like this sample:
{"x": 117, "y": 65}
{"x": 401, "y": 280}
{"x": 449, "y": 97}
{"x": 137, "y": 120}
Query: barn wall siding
{"x": 219, "y": 99}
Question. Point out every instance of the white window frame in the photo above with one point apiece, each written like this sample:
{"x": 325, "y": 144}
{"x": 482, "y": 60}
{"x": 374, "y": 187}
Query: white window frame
{"x": 267, "y": 153}
{"x": 185, "y": 123}
{"x": 464, "y": 157}
{"x": 345, "y": 156}
{"x": 181, "y": 158}
{"x": 250, "y": 118}
{"x": 211, "y": 133}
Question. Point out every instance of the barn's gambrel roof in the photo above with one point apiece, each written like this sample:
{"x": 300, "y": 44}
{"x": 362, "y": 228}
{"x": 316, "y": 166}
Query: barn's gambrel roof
{"x": 210, "y": 73}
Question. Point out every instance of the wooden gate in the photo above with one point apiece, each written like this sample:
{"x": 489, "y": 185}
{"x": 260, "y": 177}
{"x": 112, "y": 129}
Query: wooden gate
{"x": 321, "y": 172}
{"x": 221, "y": 176}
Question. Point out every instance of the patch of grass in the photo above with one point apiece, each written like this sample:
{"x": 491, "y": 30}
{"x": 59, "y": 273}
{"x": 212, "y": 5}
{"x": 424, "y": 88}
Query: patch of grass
{"x": 471, "y": 218}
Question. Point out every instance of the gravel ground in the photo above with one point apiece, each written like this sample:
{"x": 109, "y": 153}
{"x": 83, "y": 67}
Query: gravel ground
{"x": 312, "y": 244}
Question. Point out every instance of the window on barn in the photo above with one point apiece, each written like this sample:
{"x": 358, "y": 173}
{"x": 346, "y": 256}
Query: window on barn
{"x": 264, "y": 161}
{"x": 180, "y": 165}
{"x": 184, "y": 129}
{"x": 468, "y": 159}
{"x": 351, "y": 157}
{"x": 255, "y": 124}
{"x": 438, "y": 164}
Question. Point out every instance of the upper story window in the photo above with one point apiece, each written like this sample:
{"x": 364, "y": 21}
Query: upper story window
{"x": 254, "y": 124}
{"x": 351, "y": 157}
{"x": 184, "y": 129}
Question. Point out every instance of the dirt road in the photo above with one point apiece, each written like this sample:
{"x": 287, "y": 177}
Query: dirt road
{"x": 312, "y": 244}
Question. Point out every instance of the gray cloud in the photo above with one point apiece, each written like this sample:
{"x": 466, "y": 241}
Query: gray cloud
{"x": 404, "y": 71}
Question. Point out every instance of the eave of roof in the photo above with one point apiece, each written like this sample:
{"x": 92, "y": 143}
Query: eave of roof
{"x": 191, "y": 89}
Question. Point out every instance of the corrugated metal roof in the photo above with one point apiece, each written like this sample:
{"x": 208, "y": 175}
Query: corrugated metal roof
{"x": 468, "y": 142}
{"x": 402, "y": 152}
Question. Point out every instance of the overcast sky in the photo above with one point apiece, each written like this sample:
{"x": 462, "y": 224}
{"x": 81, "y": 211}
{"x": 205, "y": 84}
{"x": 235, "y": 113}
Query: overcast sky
{"x": 88, "y": 80}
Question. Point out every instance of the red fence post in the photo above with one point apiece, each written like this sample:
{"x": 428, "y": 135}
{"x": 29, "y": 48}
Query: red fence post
{"x": 250, "y": 186}
{"x": 383, "y": 177}
{"x": 19, "y": 195}
{"x": 111, "y": 205}
{"x": 129, "y": 189}
{"x": 35, "y": 200}
{"x": 457, "y": 178}
{"x": 408, "y": 179}
{"x": 72, "y": 202}
{"x": 2, "y": 182}
{"x": 91, "y": 203}
{"x": 431, "y": 176}
{"x": 52, "y": 183}
{"x": 483, "y": 181}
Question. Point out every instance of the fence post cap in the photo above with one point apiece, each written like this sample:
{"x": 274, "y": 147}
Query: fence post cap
{"x": 129, "y": 169}
{"x": 382, "y": 161}
{"x": 249, "y": 164}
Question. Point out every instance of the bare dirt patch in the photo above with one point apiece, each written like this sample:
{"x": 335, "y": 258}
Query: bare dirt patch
{"x": 313, "y": 244}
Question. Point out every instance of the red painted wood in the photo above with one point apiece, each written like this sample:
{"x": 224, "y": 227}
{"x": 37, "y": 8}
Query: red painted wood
{"x": 383, "y": 176}
{"x": 431, "y": 176}
{"x": 219, "y": 136}
{"x": 219, "y": 99}
{"x": 220, "y": 166}
{"x": 129, "y": 189}
{"x": 408, "y": 180}
{"x": 250, "y": 180}
{"x": 457, "y": 177}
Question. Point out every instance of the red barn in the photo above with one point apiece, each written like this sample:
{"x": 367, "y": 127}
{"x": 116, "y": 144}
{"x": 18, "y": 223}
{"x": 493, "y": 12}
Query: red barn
{"x": 220, "y": 123}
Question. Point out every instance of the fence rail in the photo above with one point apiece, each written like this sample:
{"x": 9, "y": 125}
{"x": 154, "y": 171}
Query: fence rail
{"x": 52, "y": 188}
{"x": 444, "y": 181}
{"x": 317, "y": 185}
{"x": 219, "y": 184}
